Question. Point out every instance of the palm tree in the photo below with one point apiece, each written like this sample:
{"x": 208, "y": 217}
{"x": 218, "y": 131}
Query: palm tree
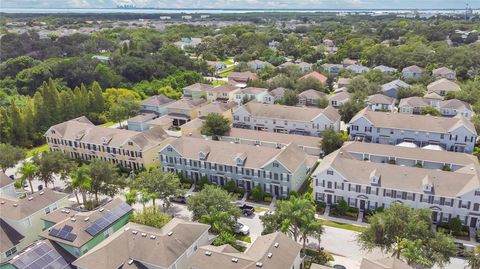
{"x": 311, "y": 227}
{"x": 28, "y": 171}
{"x": 217, "y": 221}
{"x": 131, "y": 197}
{"x": 473, "y": 258}
{"x": 81, "y": 182}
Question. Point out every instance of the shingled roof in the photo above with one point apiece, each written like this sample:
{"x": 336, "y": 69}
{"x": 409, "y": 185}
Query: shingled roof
{"x": 290, "y": 112}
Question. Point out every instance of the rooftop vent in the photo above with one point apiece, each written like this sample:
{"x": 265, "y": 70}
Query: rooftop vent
{"x": 170, "y": 233}
{"x": 130, "y": 262}
{"x": 276, "y": 244}
{"x": 41, "y": 193}
{"x": 67, "y": 211}
{"x": 134, "y": 232}
{"x": 152, "y": 236}
{"x": 208, "y": 253}
{"x": 73, "y": 219}
{"x": 259, "y": 264}
{"x": 101, "y": 209}
{"x": 144, "y": 235}
{"x": 30, "y": 198}
{"x": 86, "y": 219}
{"x": 15, "y": 205}
{"x": 2, "y": 202}
{"x": 63, "y": 211}
{"x": 235, "y": 260}
{"x": 269, "y": 255}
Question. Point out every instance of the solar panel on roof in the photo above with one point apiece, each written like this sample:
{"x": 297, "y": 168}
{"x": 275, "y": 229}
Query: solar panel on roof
{"x": 62, "y": 234}
{"x": 67, "y": 228}
{"x": 71, "y": 237}
{"x": 108, "y": 218}
{"x": 54, "y": 232}
{"x": 40, "y": 257}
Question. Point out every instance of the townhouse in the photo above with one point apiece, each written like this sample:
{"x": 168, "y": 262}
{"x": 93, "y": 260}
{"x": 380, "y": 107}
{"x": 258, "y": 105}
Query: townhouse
{"x": 276, "y": 171}
{"x": 448, "y": 108}
{"x": 412, "y": 72}
{"x": 224, "y": 109}
{"x": 279, "y": 93}
{"x": 309, "y": 144}
{"x": 7, "y": 185}
{"x": 286, "y": 119}
{"x": 196, "y": 91}
{"x": 79, "y": 231}
{"x": 380, "y": 102}
{"x": 357, "y": 69}
{"x": 343, "y": 82}
{"x": 385, "y": 69}
{"x": 442, "y": 87}
{"x": 41, "y": 254}
{"x": 141, "y": 246}
{"x": 184, "y": 110}
{"x": 21, "y": 219}
{"x": 81, "y": 139}
{"x": 340, "y": 97}
{"x": 240, "y": 79}
{"x": 258, "y": 65}
{"x": 222, "y": 93}
{"x": 156, "y": 104}
{"x": 452, "y": 134}
{"x": 311, "y": 97}
{"x": 260, "y": 95}
{"x": 332, "y": 69}
{"x": 140, "y": 122}
{"x": 271, "y": 251}
{"x": 444, "y": 72}
{"x": 315, "y": 75}
{"x": 391, "y": 88}
{"x": 369, "y": 176}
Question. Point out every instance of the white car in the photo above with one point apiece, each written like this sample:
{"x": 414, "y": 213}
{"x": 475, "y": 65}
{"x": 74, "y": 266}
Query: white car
{"x": 241, "y": 228}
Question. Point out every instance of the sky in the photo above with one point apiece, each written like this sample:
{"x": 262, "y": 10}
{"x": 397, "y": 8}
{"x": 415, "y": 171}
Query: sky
{"x": 250, "y": 4}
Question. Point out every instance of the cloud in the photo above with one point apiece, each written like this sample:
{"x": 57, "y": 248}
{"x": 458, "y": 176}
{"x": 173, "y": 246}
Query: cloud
{"x": 299, "y": 4}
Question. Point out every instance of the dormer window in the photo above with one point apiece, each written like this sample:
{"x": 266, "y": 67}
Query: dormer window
{"x": 427, "y": 185}
{"x": 275, "y": 164}
{"x": 53, "y": 131}
{"x": 240, "y": 158}
{"x": 130, "y": 143}
{"x": 375, "y": 177}
{"x": 169, "y": 149}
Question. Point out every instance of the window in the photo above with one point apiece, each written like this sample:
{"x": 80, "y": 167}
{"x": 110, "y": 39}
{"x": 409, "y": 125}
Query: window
{"x": 169, "y": 149}
{"x": 130, "y": 143}
{"x": 354, "y": 127}
{"x": 47, "y": 210}
{"x": 368, "y": 129}
{"x": 330, "y": 172}
{"x": 275, "y": 164}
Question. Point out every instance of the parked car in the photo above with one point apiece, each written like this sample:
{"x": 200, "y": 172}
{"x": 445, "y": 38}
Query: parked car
{"x": 461, "y": 249}
{"x": 338, "y": 266}
{"x": 247, "y": 209}
{"x": 241, "y": 228}
{"x": 182, "y": 199}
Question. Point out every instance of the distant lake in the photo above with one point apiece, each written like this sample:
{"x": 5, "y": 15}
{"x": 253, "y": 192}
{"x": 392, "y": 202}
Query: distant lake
{"x": 203, "y": 11}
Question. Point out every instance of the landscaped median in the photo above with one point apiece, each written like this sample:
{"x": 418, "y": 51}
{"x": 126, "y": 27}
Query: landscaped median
{"x": 346, "y": 226}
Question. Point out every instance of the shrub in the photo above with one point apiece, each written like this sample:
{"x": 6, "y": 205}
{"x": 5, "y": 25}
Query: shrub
{"x": 257, "y": 194}
{"x": 151, "y": 217}
{"x": 392, "y": 162}
{"x": 455, "y": 225}
{"x": 342, "y": 207}
{"x": 446, "y": 168}
{"x": 231, "y": 186}
{"x": 418, "y": 165}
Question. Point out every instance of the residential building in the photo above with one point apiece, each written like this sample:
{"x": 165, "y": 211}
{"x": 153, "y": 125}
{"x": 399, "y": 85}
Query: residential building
{"x": 314, "y": 74}
{"x": 185, "y": 42}
{"x": 21, "y": 219}
{"x": 305, "y": 67}
{"x": 260, "y": 95}
{"x": 165, "y": 122}
{"x": 311, "y": 97}
{"x": 240, "y": 79}
{"x": 78, "y": 231}
{"x": 224, "y": 109}
{"x": 222, "y": 93}
{"x": 156, "y": 104}
{"x": 343, "y": 82}
{"x": 391, "y": 88}
{"x": 453, "y": 134}
{"x": 141, "y": 246}
{"x": 330, "y": 45}
{"x": 444, "y": 72}
{"x": 140, "y": 122}
{"x": 385, "y": 69}
{"x": 286, "y": 119}
{"x": 42, "y": 254}
{"x": 192, "y": 128}
{"x": 380, "y": 102}
{"x": 309, "y": 144}
{"x": 258, "y": 65}
{"x": 339, "y": 98}
{"x": 271, "y": 251}
{"x": 81, "y": 139}
{"x": 332, "y": 69}
{"x": 412, "y": 72}
{"x": 384, "y": 263}
{"x": 347, "y": 62}
{"x": 197, "y": 90}
{"x": 184, "y": 110}
{"x": 279, "y": 93}
{"x": 442, "y": 87}
{"x": 7, "y": 185}
{"x": 216, "y": 65}
{"x": 276, "y": 171}
{"x": 369, "y": 176}
{"x": 357, "y": 69}
{"x": 448, "y": 108}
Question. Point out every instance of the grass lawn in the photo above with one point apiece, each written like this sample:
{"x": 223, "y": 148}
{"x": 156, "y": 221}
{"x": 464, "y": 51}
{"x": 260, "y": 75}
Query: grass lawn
{"x": 106, "y": 124}
{"x": 228, "y": 61}
{"x": 244, "y": 238}
{"x": 339, "y": 225}
{"x": 225, "y": 72}
{"x": 260, "y": 209}
{"x": 218, "y": 82}
{"x": 37, "y": 150}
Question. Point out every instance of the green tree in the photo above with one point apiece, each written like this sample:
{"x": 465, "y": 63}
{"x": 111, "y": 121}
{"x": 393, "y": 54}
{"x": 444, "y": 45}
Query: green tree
{"x": 219, "y": 221}
{"x": 131, "y": 197}
{"x": 28, "y": 171}
{"x": 309, "y": 83}
{"x": 342, "y": 207}
{"x": 215, "y": 125}
{"x": 415, "y": 90}
{"x": 96, "y": 102}
{"x": 212, "y": 198}
{"x": 352, "y": 107}
{"x": 226, "y": 238}
{"x": 430, "y": 111}
{"x": 81, "y": 182}
{"x": 151, "y": 217}
{"x": 455, "y": 225}
{"x": 401, "y": 222}
{"x": 290, "y": 98}
{"x": 322, "y": 102}
{"x": 50, "y": 163}
{"x": 331, "y": 141}
{"x": 473, "y": 258}
{"x": 258, "y": 194}
{"x": 10, "y": 156}
{"x": 106, "y": 179}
